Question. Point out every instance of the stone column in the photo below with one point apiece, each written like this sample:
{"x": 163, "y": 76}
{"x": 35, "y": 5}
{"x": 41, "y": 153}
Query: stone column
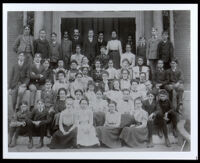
{"x": 148, "y": 23}
{"x": 24, "y": 18}
{"x": 48, "y": 23}
{"x": 171, "y": 19}
{"x": 158, "y": 21}
{"x": 38, "y": 22}
{"x": 139, "y": 25}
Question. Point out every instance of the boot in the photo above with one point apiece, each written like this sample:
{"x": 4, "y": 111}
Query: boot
{"x": 13, "y": 143}
{"x": 30, "y": 145}
{"x": 175, "y": 133}
{"x": 167, "y": 143}
{"x": 160, "y": 134}
{"x": 150, "y": 143}
{"x": 41, "y": 144}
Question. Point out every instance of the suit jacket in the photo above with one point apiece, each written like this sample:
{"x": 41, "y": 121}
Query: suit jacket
{"x": 102, "y": 86}
{"x": 66, "y": 49}
{"x": 90, "y": 49}
{"x": 160, "y": 77}
{"x": 55, "y": 52}
{"x": 19, "y": 75}
{"x": 150, "y": 108}
{"x": 99, "y": 44}
{"x": 174, "y": 77}
{"x": 42, "y": 47}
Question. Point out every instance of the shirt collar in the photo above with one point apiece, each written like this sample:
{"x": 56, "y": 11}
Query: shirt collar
{"x": 20, "y": 62}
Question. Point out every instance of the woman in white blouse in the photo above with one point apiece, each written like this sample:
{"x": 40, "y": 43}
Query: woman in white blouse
{"x": 114, "y": 49}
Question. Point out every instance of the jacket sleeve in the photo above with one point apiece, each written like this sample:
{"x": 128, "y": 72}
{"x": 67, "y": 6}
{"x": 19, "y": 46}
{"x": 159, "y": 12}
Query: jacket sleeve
{"x": 158, "y": 51}
{"x": 33, "y": 76}
{"x": 47, "y": 120}
{"x": 27, "y": 75}
{"x": 11, "y": 77}
{"x": 16, "y": 44}
{"x": 34, "y": 47}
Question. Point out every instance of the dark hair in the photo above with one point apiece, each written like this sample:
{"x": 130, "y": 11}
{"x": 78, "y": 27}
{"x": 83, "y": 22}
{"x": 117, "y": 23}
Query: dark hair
{"x": 134, "y": 80}
{"x": 90, "y": 82}
{"x": 42, "y": 30}
{"x": 48, "y": 81}
{"x": 103, "y": 46}
{"x": 74, "y": 61}
{"x": 125, "y": 89}
{"x": 99, "y": 89}
{"x": 160, "y": 60}
{"x": 25, "y": 26}
{"x": 84, "y": 98}
{"x": 112, "y": 102}
{"x": 165, "y": 32}
{"x": 125, "y": 59}
{"x": 37, "y": 54}
{"x": 61, "y": 72}
{"x": 46, "y": 59}
{"x": 105, "y": 72}
{"x": 53, "y": 33}
{"x": 21, "y": 52}
{"x": 69, "y": 97}
{"x": 123, "y": 69}
{"x": 97, "y": 60}
{"x": 78, "y": 45}
{"x": 78, "y": 90}
{"x": 78, "y": 74}
{"x": 60, "y": 60}
{"x": 100, "y": 32}
{"x": 24, "y": 103}
{"x": 174, "y": 60}
{"x": 114, "y": 30}
{"x": 62, "y": 89}
{"x": 138, "y": 98}
{"x": 151, "y": 92}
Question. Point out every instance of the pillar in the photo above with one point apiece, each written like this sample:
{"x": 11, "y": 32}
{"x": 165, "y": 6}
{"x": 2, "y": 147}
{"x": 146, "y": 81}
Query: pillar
{"x": 148, "y": 24}
{"x": 24, "y": 18}
{"x": 158, "y": 21}
{"x": 48, "y": 23}
{"x": 139, "y": 25}
{"x": 171, "y": 19}
{"x": 38, "y": 23}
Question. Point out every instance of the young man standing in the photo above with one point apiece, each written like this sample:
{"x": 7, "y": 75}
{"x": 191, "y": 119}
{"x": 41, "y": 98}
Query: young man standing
{"x": 76, "y": 40}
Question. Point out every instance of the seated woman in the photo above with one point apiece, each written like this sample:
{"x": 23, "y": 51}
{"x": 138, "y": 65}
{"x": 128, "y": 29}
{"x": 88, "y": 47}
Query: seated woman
{"x": 90, "y": 94}
{"x": 137, "y": 133}
{"x": 109, "y": 133}
{"x": 78, "y": 97}
{"x": 59, "y": 106}
{"x": 66, "y": 135}
{"x": 86, "y": 134}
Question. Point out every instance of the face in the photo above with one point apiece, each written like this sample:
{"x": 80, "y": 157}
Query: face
{"x": 105, "y": 77}
{"x": 128, "y": 48}
{"x": 42, "y": 35}
{"x": 46, "y": 64}
{"x": 53, "y": 37}
{"x": 111, "y": 107}
{"x": 90, "y": 33}
{"x": 62, "y": 94}
{"x": 129, "y": 38}
{"x": 114, "y": 34}
{"x": 125, "y": 64}
{"x": 148, "y": 85}
{"x": 110, "y": 63}
{"x": 160, "y": 64}
{"x": 21, "y": 57}
{"x": 40, "y": 105}
{"x": 138, "y": 104}
{"x": 116, "y": 85}
{"x": 27, "y": 31}
{"x": 61, "y": 77}
{"x": 99, "y": 94}
{"x": 24, "y": 107}
{"x": 100, "y": 35}
{"x": 37, "y": 58}
{"x": 69, "y": 103}
{"x": 48, "y": 85}
{"x": 66, "y": 35}
{"x": 60, "y": 64}
{"x": 76, "y": 32}
{"x": 154, "y": 32}
{"x": 97, "y": 64}
{"x": 140, "y": 61}
{"x": 173, "y": 64}
{"x": 83, "y": 104}
{"x": 151, "y": 96}
{"x": 162, "y": 97}
{"x": 85, "y": 60}
{"x": 125, "y": 75}
{"x": 134, "y": 85}
{"x": 165, "y": 36}
{"x": 78, "y": 95}
{"x": 85, "y": 71}
{"x": 103, "y": 51}
{"x": 91, "y": 87}
{"x": 79, "y": 77}
{"x": 73, "y": 65}
{"x": 126, "y": 95}
{"x": 78, "y": 49}
{"x": 142, "y": 77}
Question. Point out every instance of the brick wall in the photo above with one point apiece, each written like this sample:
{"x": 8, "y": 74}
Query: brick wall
{"x": 182, "y": 41}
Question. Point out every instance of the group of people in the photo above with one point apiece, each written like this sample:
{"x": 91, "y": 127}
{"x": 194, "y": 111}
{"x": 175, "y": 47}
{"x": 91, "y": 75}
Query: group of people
{"x": 92, "y": 92}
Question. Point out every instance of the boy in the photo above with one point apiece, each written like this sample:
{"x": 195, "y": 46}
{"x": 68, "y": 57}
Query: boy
{"x": 60, "y": 67}
{"x": 141, "y": 49}
{"x": 165, "y": 114}
{"x": 72, "y": 72}
{"x": 103, "y": 57}
{"x": 76, "y": 40}
{"x": 38, "y": 121}
{"x": 96, "y": 74}
{"x": 105, "y": 85}
{"x": 77, "y": 56}
{"x": 18, "y": 124}
{"x": 113, "y": 74}
{"x": 100, "y": 41}
{"x": 160, "y": 76}
{"x": 37, "y": 78}
{"x": 128, "y": 55}
{"x": 19, "y": 80}
{"x": 41, "y": 45}
{"x": 175, "y": 83}
{"x": 55, "y": 51}
{"x": 134, "y": 92}
{"x": 165, "y": 50}
{"x": 140, "y": 68}
{"x": 61, "y": 83}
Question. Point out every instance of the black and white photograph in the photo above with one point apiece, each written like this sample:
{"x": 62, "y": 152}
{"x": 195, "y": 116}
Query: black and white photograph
{"x": 100, "y": 81}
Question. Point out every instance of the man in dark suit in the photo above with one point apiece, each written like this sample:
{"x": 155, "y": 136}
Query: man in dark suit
{"x": 76, "y": 40}
{"x": 19, "y": 80}
{"x": 100, "y": 42}
{"x": 90, "y": 47}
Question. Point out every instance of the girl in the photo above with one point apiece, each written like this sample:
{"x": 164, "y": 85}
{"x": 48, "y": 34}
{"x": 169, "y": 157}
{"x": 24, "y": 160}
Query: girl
{"x": 113, "y": 74}
{"x": 60, "y": 67}
{"x": 90, "y": 93}
{"x": 125, "y": 81}
{"x": 114, "y": 49}
{"x": 137, "y": 133}
{"x": 86, "y": 135}
{"x": 78, "y": 97}
{"x": 72, "y": 72}
{"x": 66, "y": 135}
{"x": 86, "y": 78}
{"x": 48, "y": 72}
{"x": 109, "y": 133}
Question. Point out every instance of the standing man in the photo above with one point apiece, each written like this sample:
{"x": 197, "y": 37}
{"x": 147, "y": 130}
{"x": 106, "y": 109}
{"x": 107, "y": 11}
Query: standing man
{"x": 90, "y": 47}
{"x": 66, "y": 49}
{"x": 41, "y": 45}
{"x": 19, "y": 80}
{"x": 100, "y": 42}
{"x": 151, "y": 53}
{"x": 76, "y": 39}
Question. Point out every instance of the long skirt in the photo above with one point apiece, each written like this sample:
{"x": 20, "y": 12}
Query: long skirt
{"x": 86, "y": 135}
{"x": 115, "y": 56}
{"x": 55, "y": 122}
{"x": 98, "y": 118}
{"x": 60, "y": 141}
{"x": 133, "y": 136}
{"x": 109, "y": 136}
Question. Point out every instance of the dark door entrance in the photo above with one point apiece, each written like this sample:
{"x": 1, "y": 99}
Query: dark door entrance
{"x": 123, "y": 26}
